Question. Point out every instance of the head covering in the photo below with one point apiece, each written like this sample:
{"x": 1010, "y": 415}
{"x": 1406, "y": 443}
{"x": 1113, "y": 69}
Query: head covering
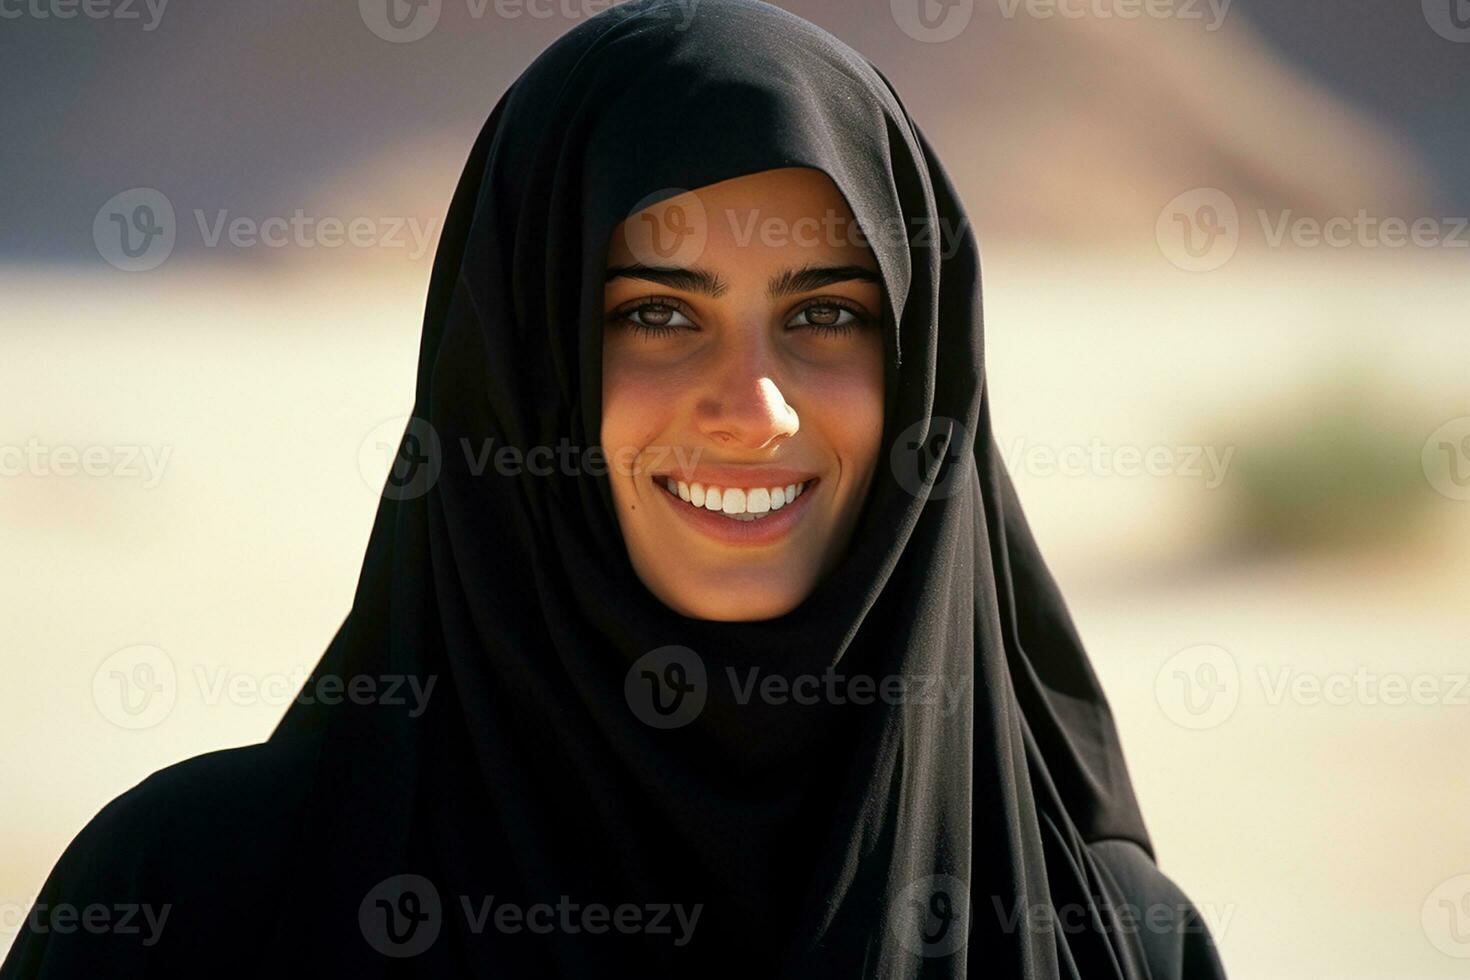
{"x": 955, "y": 829}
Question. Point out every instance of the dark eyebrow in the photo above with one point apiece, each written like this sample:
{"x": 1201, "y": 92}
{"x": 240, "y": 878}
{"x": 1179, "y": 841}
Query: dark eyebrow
{"x": 788, "y": 283}
{"x": 689, "y": 280}
{"x": 811, "y": 277}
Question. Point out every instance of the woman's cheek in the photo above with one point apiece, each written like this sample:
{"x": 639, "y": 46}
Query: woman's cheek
{"x": 636, "y": 407}
{"x": 846, "y": 402}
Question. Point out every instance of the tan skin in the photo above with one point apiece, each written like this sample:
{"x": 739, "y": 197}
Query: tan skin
{"x": 767, "y": 361}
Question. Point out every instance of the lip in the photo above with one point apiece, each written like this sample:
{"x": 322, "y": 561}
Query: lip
{"x": 750, "y": 534}
{"x": 737, "y": 476}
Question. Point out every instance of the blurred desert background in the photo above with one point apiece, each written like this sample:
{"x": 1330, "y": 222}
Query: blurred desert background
{"x": 1246, "y": 456}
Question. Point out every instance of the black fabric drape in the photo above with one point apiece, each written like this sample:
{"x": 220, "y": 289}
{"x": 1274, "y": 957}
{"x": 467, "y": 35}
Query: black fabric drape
{"x": 818, "y": 840}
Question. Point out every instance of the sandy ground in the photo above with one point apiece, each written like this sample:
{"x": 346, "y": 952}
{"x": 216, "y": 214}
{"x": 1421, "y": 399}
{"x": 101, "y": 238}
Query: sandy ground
{"x": 1313, "y": 832}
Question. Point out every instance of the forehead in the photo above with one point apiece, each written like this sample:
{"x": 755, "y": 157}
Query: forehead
{"x": 792, "y": 215}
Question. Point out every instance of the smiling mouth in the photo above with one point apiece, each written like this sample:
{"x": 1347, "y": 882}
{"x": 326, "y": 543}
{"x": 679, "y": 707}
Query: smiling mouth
{"x": 737, "y": 503}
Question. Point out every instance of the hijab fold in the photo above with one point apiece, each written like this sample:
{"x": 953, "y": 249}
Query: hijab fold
{"x": 898, "y": 838}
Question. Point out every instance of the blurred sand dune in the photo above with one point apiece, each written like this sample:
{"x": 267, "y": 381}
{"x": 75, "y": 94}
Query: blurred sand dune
{"x": 1055, "y": 128}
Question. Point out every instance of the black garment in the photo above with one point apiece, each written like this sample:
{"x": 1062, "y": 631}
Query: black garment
{"x": 999, "y": 838}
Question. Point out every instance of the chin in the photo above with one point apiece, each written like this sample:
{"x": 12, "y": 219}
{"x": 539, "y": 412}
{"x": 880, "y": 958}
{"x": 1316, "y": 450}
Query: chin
{"x": 722, "y": 598}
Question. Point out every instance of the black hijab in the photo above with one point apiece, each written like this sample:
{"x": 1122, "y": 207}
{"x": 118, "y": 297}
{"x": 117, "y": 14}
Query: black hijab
{"x": 977, "y": 822}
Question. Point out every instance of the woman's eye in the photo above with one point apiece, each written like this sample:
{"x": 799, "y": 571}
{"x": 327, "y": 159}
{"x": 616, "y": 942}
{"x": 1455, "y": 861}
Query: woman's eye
{"x": 826, "y": 317}
{"x": 657, "y": 318}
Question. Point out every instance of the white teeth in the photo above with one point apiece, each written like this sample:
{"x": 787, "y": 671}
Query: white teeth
{"x": 736, "y": 503}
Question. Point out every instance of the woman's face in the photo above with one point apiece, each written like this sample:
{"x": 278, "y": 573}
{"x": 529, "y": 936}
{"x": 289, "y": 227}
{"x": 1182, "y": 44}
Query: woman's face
{"x": 742, "y": 402}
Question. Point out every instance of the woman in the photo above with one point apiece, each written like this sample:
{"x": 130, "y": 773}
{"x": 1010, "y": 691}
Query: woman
{"x": 736, "y": 655}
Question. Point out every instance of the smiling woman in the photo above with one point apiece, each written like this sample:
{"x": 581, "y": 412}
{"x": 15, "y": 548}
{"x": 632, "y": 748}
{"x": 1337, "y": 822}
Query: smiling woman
{"x": 788, "y": 693}
{"x": 759, "y": 374}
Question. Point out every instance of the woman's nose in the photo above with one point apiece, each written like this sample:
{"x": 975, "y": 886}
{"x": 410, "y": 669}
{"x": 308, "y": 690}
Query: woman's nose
{"x": 746, "y": 408}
